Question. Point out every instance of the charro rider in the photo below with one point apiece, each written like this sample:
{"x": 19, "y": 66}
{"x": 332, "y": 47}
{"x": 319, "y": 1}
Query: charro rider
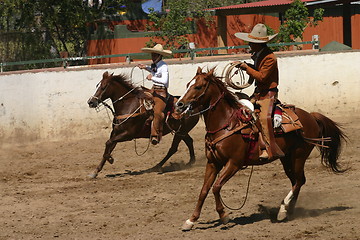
{"x": 266, "y": 74}
{"x": 159, "y": 75}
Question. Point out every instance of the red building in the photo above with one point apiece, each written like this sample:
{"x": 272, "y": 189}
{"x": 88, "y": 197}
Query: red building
{"x": 123, "y": 36}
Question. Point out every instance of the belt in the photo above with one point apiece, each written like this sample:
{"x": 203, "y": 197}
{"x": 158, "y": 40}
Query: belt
{"x": 159, "y": 87}
{"x": 275, "y": 89}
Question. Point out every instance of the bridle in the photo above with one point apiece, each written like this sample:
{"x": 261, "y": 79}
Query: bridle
{"x": 211, "y": 105}
{"x": 115, "y": 101}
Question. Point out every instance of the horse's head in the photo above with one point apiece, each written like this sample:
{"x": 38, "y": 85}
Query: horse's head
{"x": 103, "y": 91}
{"x": 196, "y": 93}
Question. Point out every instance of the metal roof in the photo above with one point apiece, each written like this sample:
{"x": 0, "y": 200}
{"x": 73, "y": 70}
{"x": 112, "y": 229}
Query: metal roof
{"x": 273, "y": 3}
{"x": 266, "y": 3}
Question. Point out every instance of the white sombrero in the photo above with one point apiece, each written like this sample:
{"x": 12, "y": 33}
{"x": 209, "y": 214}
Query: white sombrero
{"x": 257, "y": 35}
{"x": 157, "y": 49}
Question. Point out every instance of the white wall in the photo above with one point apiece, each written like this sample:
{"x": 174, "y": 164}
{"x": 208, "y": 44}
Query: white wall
{"x": 51, "y": 105}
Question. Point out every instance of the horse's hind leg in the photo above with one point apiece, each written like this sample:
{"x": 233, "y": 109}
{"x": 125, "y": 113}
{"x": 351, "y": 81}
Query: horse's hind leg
{"x": 173, "y": 149}
{"x": 210, "y": 176}
{"x": 190, "y": 144}
{"x": 294, "y": 169}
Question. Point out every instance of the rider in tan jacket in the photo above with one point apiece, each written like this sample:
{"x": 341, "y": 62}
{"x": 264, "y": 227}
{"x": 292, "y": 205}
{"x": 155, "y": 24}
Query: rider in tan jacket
{"x": 266, "y": 75}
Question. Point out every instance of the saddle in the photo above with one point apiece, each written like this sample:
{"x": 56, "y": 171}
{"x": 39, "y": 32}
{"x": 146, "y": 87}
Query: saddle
{"x": 290, "y": 121}
{"x": 148, "y": 102}
{"x": 145, "y": 109}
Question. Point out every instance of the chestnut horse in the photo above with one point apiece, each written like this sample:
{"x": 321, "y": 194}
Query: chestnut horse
{"x": 229, "y": 150}
{"x": 132, "y": 120}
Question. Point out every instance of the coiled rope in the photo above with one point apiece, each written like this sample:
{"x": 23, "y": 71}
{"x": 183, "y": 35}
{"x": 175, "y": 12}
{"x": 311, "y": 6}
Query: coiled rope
{"x": 228, "y": 74}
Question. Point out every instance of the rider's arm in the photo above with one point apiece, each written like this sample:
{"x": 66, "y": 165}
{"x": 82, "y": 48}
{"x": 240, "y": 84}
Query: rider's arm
{"x": 143, "y": 66}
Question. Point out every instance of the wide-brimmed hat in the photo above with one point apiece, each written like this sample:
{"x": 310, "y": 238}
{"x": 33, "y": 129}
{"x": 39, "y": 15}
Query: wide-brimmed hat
{"x": 257, "y": 35}
{"x": 158, "y": 48}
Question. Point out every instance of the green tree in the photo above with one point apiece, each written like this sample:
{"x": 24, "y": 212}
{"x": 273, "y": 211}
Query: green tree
{"x": 65, "y": 22}
{"x": 39, "y": 29}
{"x": 297, "y": 18}
{"x": 180, "y": 19}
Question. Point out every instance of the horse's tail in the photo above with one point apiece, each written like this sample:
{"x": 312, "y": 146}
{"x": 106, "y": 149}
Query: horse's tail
{"x": 330, "y": 154}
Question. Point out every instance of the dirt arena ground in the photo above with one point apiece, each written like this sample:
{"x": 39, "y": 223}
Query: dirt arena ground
{"x": 46, "y": 194}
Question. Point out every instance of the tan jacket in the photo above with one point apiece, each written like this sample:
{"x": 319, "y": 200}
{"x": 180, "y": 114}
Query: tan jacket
{"x": 267, "y": 74}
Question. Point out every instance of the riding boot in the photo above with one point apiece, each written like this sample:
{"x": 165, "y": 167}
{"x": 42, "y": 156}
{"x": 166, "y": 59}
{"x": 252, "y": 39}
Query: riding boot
{"x": 158, "y": 121}
{"x": 273, "y": 150}
{"x": 262, "y": 147}
{"x": 155, "y": 134}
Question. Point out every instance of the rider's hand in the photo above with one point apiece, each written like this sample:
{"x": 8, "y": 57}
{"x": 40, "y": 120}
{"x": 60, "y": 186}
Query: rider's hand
{"x": 141, "y": 66}
{"x": 243, "y": 66}
{"x": 236, "y": 63}
{"x": 149, "y": 77}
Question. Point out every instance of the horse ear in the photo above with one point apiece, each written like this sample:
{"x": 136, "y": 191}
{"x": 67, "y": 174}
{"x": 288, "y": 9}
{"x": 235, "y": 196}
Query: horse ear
{"x": 199, "y": 71}
{"x": 106, "y": 74}
{"x": 211, "y": 72}
{"x": 112, "y": 74}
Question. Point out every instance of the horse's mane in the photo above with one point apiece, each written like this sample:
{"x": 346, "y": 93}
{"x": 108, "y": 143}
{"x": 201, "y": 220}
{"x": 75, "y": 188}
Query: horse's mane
{"x": 126, "y": 82}
{"x": 229, "y": 96}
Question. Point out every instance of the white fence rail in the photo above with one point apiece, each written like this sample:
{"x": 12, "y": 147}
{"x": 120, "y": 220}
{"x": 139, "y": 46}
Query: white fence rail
{"x": 51, "y": 104}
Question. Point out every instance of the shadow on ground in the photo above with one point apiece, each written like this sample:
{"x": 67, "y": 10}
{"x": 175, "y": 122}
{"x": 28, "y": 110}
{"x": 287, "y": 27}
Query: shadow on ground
{"x": 173, "y": 167}
{"x": 268, "y": 213}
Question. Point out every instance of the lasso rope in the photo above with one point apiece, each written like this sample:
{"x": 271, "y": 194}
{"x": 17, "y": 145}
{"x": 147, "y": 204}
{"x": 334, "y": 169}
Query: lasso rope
{"x": 246, "y": 195}
{"x": 227, "y": 75}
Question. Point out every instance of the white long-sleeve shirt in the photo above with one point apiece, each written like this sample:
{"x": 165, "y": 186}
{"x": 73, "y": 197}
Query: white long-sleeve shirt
{"x": 161, "y": 76}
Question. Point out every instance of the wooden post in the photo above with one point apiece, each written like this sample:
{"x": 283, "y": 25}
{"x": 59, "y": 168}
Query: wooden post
{"x": 221, "y": 33}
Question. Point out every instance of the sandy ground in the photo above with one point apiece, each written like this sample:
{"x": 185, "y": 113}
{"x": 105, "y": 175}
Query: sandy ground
{"x": 46, "y": 194}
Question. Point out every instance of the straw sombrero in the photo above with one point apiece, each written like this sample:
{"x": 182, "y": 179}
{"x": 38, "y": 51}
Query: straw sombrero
{"x": 257, "y": 35}
{"x": 157, "y": 49}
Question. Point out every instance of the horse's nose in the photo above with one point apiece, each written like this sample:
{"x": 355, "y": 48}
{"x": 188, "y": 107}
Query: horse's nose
{"x": 92, "y": 102}
{"x": 179, "y": 106}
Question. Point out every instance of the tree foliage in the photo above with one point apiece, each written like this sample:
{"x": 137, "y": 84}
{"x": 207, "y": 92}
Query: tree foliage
{"x": 47, "y": 27}
{"x": 180, "y": 19}
{"x": 297, "y": 18}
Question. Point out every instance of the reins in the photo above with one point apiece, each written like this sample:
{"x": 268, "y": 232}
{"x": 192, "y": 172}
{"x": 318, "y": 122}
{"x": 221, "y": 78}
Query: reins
{"x": 212, "y": 105}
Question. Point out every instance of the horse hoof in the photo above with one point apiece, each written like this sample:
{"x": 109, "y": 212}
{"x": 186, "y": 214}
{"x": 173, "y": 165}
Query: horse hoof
{"x": 225, "y": 219}
{"x": 187, "y": 226}
{"x": 92, "y": 175}
{"x": 282, "y": 214}
{"x": 110, "y": 160}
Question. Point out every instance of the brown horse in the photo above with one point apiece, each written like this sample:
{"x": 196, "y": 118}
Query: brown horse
{"x": 132, "y": 118}
{"x": 227, "y": 149}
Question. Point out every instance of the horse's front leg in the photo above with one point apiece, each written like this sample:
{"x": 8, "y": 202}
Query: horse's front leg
{"x": 228, "y": 172}
{"x": 109, "y": 147}
{"x": 210, "y": 176}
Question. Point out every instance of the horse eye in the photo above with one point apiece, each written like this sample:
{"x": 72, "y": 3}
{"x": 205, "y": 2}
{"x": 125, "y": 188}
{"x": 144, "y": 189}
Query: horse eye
{"x": 198, "y": 87}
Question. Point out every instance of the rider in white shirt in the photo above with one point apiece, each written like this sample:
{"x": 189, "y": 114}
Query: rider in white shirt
{"x": 159, "y": 75}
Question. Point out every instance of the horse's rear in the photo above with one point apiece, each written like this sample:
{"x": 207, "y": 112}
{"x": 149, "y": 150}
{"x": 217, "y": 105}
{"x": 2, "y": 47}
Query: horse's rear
{"x": 318, "y": 130}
